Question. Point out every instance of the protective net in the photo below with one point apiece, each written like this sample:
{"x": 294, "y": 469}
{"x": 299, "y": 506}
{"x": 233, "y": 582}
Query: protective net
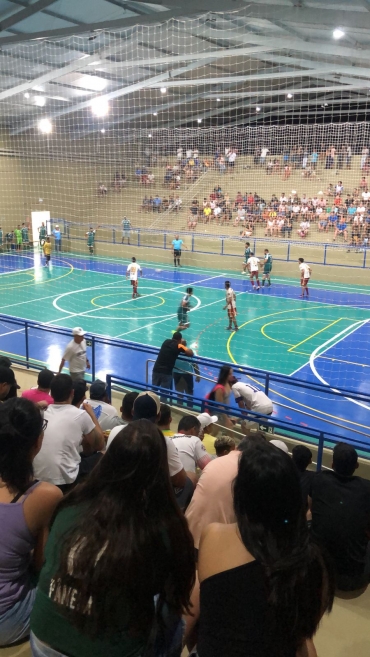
{"x": 213, "y": 132}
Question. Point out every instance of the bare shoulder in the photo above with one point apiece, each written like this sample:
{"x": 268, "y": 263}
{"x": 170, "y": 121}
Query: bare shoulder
{"x": 43, "y": 496}
{"x": 220, "y": 549}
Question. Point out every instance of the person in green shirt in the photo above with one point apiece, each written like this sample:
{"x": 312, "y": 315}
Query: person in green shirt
{"x": 267, "y": 267}
{"x": 8, "y": 240}
{"x": 25, "y": 238}
{"x": 247, "y": 255}
{"x": 18, "y": 238}
{"x": 119, "y": 562}
{"x": 91, "y": 238}
{"x": 1, "y": 238}
{"x": 42, "y": 234}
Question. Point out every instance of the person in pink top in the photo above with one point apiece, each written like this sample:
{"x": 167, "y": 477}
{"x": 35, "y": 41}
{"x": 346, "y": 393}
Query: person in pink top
{"x": 42, "y": 392}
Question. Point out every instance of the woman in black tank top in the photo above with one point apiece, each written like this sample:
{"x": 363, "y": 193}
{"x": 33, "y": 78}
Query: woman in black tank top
{"x": 263, "y": 585}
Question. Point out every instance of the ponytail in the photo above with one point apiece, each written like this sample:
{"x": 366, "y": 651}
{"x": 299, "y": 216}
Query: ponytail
{"x": 20, "y": 428}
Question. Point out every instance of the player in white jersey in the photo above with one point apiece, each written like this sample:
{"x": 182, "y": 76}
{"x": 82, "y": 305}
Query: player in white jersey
{"x": 231, "y": 307}
{"x": 305, "y": 270}
{"x": 133, "y": 271}
{"x": 253, "y": 266}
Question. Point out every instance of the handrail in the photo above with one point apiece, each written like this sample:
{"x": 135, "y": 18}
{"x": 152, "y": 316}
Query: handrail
{"x": 319, "y": 435}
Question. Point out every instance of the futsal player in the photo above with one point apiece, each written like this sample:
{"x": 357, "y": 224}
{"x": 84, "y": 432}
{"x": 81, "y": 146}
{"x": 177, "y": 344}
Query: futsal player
{"x": 47, "y": 246}
{"x": 91, "y": 238}
{"x": 182, "y": 313}
{"x": 18, "y": 238}
{"x": 253, "y": 264}
{"x": 133, "y": 271}
{"x": 247, "y": 255}
{"x": 42, "y": 234}
{"x": 25, "y": 238}
{"x": 267, "y": 267}
{"x": 126, "y": 230}
{"x": 305, "y": 270}
{"x": 231, "y": 307}
{"x": 177, "y": 245}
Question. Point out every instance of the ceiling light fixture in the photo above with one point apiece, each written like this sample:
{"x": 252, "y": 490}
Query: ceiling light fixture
{"x": 99, "y": 106}
{"x": 26, "y": 95}
{"x": 258, "y": 109}
{"x": 289, "y": 96}
{"x": 199, "y": 120}
{"x": 102, "y": 131}
{"x": 150, "y": 136}
{"x": 218, "y": 100}
{"x": 338, "y": 33}
{"x": 45, "y": 126}
{"x": 163, "y": 90}
{"x": 155, "y": 113}
{"x": 40, "y": 101}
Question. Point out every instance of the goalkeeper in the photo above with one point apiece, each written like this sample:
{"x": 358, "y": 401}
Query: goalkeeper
{"x": 184, "y": 307}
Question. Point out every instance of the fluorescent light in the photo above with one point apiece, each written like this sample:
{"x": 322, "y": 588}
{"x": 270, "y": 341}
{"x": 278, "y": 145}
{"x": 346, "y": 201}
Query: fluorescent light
{"x": 155, "y": 113}
{"x": 338, "y": 33}
{"x": 163, "y": 90}
{"x": 40, "y": 101}
{"x": 289, "y": 96}
{"x": 94, "y": 63}
{"x": 199, "y": 120}
{"x": 99, "y": 106}
{"x": 45, "y": 126}
{"x": 26, "y": 95}
{"x": 39, "y": 88}
{"x": 102, "y": 131}
{"x": 150, "y": 136}
{"x": 258, "y": 109}
{"x": 93, "y": 82}
{"x": 218, "y": 100}
{"x": 66, "y": 100}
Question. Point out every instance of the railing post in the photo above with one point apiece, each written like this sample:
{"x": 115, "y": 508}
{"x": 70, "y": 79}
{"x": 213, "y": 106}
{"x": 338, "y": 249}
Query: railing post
{"x": 288, "y": 252}
{"x": 320, "y": 452}
{"x": 108, "y": 379}
{"x": 192, "y": 242}
{"x": 254, "y": 247}
{"x": 364, "y": 262}
{"x": 93, "y": 359}
{"x": 267, "y": 384}
{"x": 325, "y": 249}
{"x": 138, "y": 236}
{"x": 165, "y": 241}
{"x": 222, "y": 246}
{"x": 27, "y": 344}
{"x": 114, "y": 235}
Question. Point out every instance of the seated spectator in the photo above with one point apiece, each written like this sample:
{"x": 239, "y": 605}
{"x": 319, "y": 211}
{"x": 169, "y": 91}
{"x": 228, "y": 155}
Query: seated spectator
{"x": 26, "y": 508}
{"x": 164, "y": 422}
{"x": 126, "y": 409}
{"x": 68, "y": 430}
{"x": 191, "y": 450}
{"x": 157, "y": 203}
{"x": 280, "y": 445}
{"x": 7, "y": 383}
{"x": 273, "y": 583}
{"x": 208, "y": 422}
{"x": 105, "y": 413}
{"x": 221, "y": 392}
{"x": 102, "y": 190}
{"x": 224, "y": 445}
{"x": 341, "y": 229}
{"x": 80, "y": 389}
{"x": 134, "y": 596}
{"x": 341, "y": 518}
{"x": 323, "y": 224}
{"x": 41, "y": 393}
{"x": 302, "y": 457}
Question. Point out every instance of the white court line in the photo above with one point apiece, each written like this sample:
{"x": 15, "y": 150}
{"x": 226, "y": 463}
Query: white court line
{"x": 328, "y": 344}
{"x": 119, "y": 303}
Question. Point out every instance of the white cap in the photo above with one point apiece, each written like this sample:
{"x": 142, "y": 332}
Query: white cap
{"x": 280, "y": 445}
{"x": 205, "y": 419}
{"x": 78, "y": 331}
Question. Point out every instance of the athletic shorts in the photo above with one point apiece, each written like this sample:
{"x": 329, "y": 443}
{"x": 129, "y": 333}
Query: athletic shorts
{"x": 254, "y": 273}
{"x": 47, "y": 258}
{"x": 231, "y": 312}
{"x": 305, "y": 281}
{"x": 177, "y": 253}
{"x": 231, "y": 164}
{"x": 134, "y": 282}
{"x": 267, "y": 270}
{"x": 182, "y": 316}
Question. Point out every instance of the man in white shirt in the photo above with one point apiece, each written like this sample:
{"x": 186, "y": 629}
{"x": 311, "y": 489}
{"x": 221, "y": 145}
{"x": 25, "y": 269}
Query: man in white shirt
{"x": 231, "y": 306}
{"x": 231, "y": 161}
{"x": 75, "y": 355}
{"x": 253, "y": 265}
{"x": 253, "y": 399}
{"x": 105, "y": 413}
{"x": 361, "y": 210}
{"x": 191, "y": 450}
{"x": 264, "y": 152}
{"x": 364, "y": 156}
{"x": 133, "y": 272}
{"x": 70, "y": 431}
{"x": 305, "y": 270}
{"x": 365, "y": 196}
{"x": 283, "y": 198}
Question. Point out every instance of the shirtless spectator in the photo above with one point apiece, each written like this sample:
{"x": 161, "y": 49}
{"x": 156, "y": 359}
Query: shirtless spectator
{"x": 102, "y": 190}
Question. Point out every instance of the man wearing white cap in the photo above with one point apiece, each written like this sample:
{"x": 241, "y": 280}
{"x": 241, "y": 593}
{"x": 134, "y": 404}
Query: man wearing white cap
{"x": 75, "y": 354}
{"x": 57, "y": 238}
{"x": 207, "y": 422}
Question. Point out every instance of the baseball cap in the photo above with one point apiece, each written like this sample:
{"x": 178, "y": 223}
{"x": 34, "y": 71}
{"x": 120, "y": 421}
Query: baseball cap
{"x": 205, "y": 419}
{"x": 280, "y": 445}
{"x": 98, "y": 389}
{"x": 78, "y": 331}
{"x": 147, "y": 406}
{"x": 7, "y": 375}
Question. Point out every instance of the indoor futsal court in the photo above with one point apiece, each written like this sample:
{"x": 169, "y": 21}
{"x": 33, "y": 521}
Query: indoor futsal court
{"x": 321, "y": 340}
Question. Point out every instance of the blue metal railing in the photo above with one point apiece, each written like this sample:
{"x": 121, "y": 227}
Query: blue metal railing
{"x": 329, "y": 251}
{"x": 321, "y": 437}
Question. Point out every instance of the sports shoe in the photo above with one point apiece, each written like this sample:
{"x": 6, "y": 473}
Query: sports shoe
{"x": 228, "y": 328}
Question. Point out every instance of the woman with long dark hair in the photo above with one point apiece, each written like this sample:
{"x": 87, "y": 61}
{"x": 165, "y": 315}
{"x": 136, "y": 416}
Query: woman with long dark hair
{"x": 263, "y": 585}
{"x": 221, "y": 392}
{"x": 26, "y": 507}
{"x": 119, "y": 560}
